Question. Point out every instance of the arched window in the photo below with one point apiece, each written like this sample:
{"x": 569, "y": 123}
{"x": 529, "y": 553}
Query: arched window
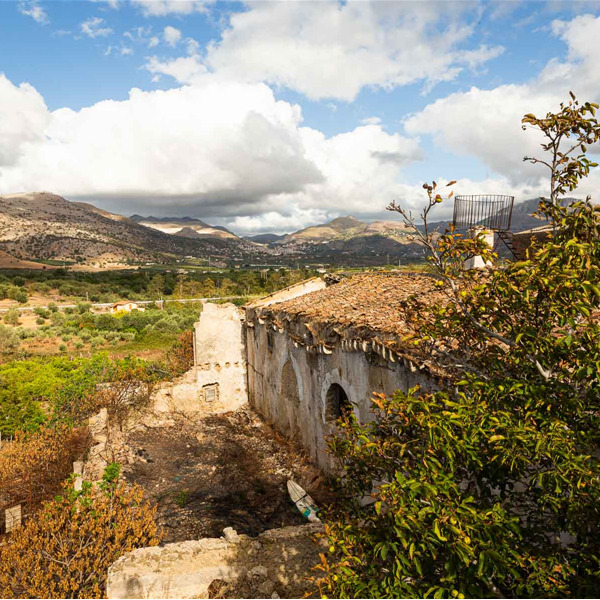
{"x": 336, "y": 402}
{"x": 289, "y": 384}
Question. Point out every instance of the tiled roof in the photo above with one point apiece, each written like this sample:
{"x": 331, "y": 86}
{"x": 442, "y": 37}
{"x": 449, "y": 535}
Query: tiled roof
{"x": 363, "y": 309}
{"x": 368, "y": 300}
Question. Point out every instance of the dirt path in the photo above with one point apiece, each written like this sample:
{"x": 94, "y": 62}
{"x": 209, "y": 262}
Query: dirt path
{"x": 221, "y": 471}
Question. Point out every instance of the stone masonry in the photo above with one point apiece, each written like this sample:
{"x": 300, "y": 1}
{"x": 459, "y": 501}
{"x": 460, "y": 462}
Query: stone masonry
{"x": 276, "y": 564}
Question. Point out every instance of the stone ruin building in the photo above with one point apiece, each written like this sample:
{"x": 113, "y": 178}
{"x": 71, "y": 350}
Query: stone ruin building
{"x": 299, "y": 357}
{"x": 303, "y": 354}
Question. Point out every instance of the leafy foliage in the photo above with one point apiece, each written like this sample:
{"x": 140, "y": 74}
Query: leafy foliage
{"x": 491, "y": 486}
{"x": 37, "y": 390}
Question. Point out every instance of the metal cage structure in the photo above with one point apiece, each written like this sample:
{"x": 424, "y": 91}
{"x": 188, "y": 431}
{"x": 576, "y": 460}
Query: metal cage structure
{"x": 489, "y": 211}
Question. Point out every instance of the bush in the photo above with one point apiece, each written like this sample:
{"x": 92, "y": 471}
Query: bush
{"x": 491, "y": 486}
{"x": 66, "y": 550}
{"x": 9, "y": 340}
{"x": 18, "y": 294}
{"x": 11, "y": 316}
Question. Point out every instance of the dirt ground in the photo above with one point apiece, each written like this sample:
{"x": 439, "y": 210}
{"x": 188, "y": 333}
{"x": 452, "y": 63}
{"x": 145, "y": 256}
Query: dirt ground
{"x": 228, "y": 470}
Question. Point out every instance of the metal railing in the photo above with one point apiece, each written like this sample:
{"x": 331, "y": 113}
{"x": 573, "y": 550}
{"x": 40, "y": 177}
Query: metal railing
{"x": 491, "y": 211}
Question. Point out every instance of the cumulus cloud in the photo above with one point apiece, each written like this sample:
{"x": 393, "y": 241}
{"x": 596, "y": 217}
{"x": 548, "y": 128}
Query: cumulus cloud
{"x": 333, "y": 50}
{"x": 23, "y": 119}
{"x": 171, "y": 35}
{"x": 215, "y": 149}
{"x": 487, "y": 123}
{"x": 32, "y": 8}
{"x": 93, "y": 27}
{"x": 185, "y": 69}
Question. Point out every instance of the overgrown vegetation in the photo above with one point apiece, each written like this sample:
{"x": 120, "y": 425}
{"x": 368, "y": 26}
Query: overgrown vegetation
{"x": 491, "y": 486}
{"x": 37, "y": 391}
{"x": 66, "y": 550}
{"x": 81, "y": 331}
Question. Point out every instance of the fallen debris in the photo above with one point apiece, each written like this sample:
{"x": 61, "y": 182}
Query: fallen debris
{"x": 219, "y": 471}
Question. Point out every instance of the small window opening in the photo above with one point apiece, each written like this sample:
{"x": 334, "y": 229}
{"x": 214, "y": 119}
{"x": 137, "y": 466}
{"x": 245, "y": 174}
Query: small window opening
{"x": 211, "y": 392}
{"x": 337, "y": 403}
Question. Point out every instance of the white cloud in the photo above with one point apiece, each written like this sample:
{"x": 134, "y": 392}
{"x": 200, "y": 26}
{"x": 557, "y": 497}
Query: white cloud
{"x": 216, "y": 149}
{"x": 32, "y": 8}
{"x": 23, "y": 120}
{"x": 171, "y": 35}
{"x": 114, "y": 4}
{"x": 161, "y": 8}
{"x": 487, "y": 123}
{"x": 333, "y": 50}
{"x": 143, "y": 35}
{"x": 371, "y": 121}
{"x": 93, "y": 28}
{"x": 192, "y": 46}
{"x": 185, "y": 69}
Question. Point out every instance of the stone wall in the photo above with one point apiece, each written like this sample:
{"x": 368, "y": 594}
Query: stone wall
{"x": 293, "y": 291}
{"x": 276, "y": 564}
{"x": 292, "y": 387}
{"x": 217, "y": 382}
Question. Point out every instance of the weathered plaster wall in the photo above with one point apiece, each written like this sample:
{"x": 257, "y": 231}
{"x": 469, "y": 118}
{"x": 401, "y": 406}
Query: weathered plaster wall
{"x": 217, "y": 382}
{"x": 288, "y": 385}
{"x": 293, "y": 291}
{"x": 276, "y": 562}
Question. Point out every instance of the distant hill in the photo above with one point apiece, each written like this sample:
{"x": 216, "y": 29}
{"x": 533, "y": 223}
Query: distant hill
{"x": 265, "y": 238}
{"x": 44, "y": 226}
{"x": 347, "y": 241}
{"x": 185, "y": 227}
{"x": 345, "y": 228}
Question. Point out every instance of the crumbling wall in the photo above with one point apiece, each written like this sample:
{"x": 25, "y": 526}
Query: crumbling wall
{"x": 217, "y": 382}
{"x": 288, "y": 384}
{"x": 293, "y": 291}
{"x": 276, "y": 564}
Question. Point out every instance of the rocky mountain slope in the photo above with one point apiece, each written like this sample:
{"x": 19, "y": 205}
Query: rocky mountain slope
{"x": 349, "y": 241}
{"x": 43, "y": 226}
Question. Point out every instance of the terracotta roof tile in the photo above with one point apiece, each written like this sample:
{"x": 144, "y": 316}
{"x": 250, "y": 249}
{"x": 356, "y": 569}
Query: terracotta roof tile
{"x": 370, "y": 301}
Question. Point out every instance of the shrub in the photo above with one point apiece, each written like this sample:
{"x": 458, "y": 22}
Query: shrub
{"x": 491, "y": 486}
{"x": 11, "y": 316}
{"x": 9, "y": 340}
{"x": 66, "y": 550}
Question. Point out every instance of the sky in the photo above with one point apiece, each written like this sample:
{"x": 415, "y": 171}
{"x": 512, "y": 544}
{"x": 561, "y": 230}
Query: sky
{"x": 272, "y": 116}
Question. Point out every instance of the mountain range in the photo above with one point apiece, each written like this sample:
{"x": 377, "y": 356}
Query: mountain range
{"x": 46, "y": 227}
